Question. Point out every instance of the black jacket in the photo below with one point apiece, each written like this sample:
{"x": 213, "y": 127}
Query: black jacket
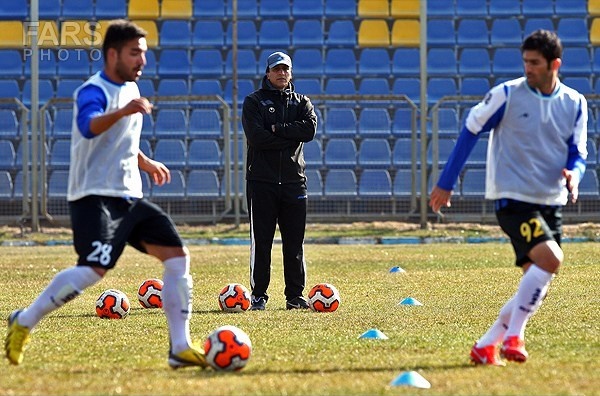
{"x": 277, "y": 157}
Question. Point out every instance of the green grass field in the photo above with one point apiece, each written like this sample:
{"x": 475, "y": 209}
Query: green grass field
{"x": 461, "y": 287}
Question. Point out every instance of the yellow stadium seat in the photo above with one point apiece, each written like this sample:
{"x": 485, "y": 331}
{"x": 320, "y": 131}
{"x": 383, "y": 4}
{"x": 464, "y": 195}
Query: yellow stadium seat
{"x": 176, "y": 9}
{"x": 76, "y": 34}
{"x": 373, "y": 8}
{"x": 11, "y": 34}
{"x": 595, "y": 32}
{"x": 373, "y": 33}
{"x": 150, "y": 27}
{"x": 48, "y": 35}
{"x": 405, "y": 33}
{"x": 405, "y": 8}
{"x": 143, "y": 9}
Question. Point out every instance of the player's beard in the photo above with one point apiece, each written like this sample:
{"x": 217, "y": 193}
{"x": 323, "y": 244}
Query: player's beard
{"x": 125, "y": 73}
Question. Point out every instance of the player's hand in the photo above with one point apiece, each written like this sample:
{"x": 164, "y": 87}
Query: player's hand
{"x": 438, "y": 198}
{"x": 572, "y": 184}
{"x": 139, "y": 105}
{"x": 158, "y": 171}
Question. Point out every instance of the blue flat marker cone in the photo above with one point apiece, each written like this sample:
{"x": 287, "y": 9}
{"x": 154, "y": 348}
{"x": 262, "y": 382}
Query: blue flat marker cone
{"x": 410, "y": 301}
{"x": 411, "y": 378}
{"x": 373, "y": 334}
{"x": 396, "y": 270}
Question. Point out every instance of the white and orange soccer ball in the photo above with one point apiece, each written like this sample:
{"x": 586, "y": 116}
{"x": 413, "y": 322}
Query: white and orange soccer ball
{"x": 112, "y": 304}
{"x": 324, "y": 297}
{"x": 150, "y": 293}
{"x": 228, "y": 348}
{"x": 234, "y": 297}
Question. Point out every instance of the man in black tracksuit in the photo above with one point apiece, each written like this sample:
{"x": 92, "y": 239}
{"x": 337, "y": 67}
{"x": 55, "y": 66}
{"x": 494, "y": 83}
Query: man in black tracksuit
{"x": 277, "y": 122}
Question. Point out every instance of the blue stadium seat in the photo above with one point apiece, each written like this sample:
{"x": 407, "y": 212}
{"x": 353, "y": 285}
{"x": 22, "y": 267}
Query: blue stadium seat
{"x": 308, "y": 63}
{"x": 341, "y": 33}
{"x": 77, "y": 9}
{"x": 49, "y": 9}
{"x": 473, "y": 183}
{"x": 245, "y": 88}
{"x": 374, "y": 153}
{"x": 441, "y": 61}
{"x": 314, "y": 183}
{"x": 573, "y": 31}
{"x": 204, "y": 153}
{"x": 65, "y": 87}
{"x": 274, "y": 33}
{"x": 588, "y": 187}
{"x": 74, "y": 63}
{"x": 472, "y": 32}
{"x": 507, "y": 62}
{"x": 150, "y": 68}
{"x": 209, "y": 9}
{"x": 208, "y": 33}
{"x": 340, "y": 153}
{"x": 173, "y": 190}
{"x": 403, "y": 183}
{"x": 340, "y": 8}
{"x": 581, "y": 83}
{"x": 6, "y": 185}
{"x": 374, "y": 62}
{"x": 576, "y": 62}
{"x": 171, "y": 152}
{"x": 340, "y": 183}
{"x": 14, "y": 9}
{"x": 474, "y": 86}
{"x": 375, "y": 183}
{"x": 9, "y": 127}
{"x": 175, "y": 33}
{"x": 475, "y": 8}
{"x": 245, "y": 9}
{"x": 374, "y": 122}
{"x": 340, "y": 62}
{"x": 401, "y": 122}
{"x": 307, "y": 86}
{"x": 110, "y": 9}
{"x": 63, "y": 124}
{"x": 374, "y": 86}
{"x": 308, "y": 8}
{"x": 411, "y": 87}
{"x": 174, "y": 63}
{"x": 448, "y": 122}
{"x": 596, "y": 62}
{"x": 406, "y": 62}
{"x": 478, "y": 156}
{"x": 146, "y": 87}
{"x": 440, "y": 8}
{"x": 11, "y": 64}
{"x": 274, "y": 9}
{"x": 445, "y": 146}
{"x": 203, "y": 183}
{"x": 46, "y": 91}
{"x": 246, "y": 63}
{"x": 439, "y": 87}
{"x": 9, "y": 89}
{"x": 592, "y": 157}
{"x": 319, "y": 123}
{"x": 170, "y": 124}
{"x": 532, "y": 24}
{"x": 146, "y": 147}
{"x": 206, "y": 87}
{"x": 340, "y": 86}
{"x": 537, "y": 8}
{"x": 172, "y": 87}
{"x": 207, "y": 63}
{"x": 506, "y": 31}
{"x": 340, "y": 122}
{"x": 474, "y": 62}
{"x": 60, "y": 154}
{"x": 247, "y": 34}
{"x": 578, "y": 8}
{"x": 441, "y": 32}
{"x": 147, "y": 127}
{"x": 58, "y": 183}
{"x": 313, "y": 154}
{"x": 7, "y": 155}
{"x": 205, "y": 123}
{"x": 504, "y": 8}
{"x": 307, "y": 33}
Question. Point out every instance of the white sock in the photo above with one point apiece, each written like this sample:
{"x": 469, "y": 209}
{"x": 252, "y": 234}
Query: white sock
{"x": 65, "y": 286}
{"x": 177, "y": 301}
{"x": 532, "y": 290}
{"x": 496, "y": 332}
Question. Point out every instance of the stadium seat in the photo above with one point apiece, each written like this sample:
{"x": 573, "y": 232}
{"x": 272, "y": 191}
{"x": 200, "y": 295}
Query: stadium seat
{"x": 403, "y": 183}
{"x": 205, "y": 123}
{"x": 48, "y": 36}
{"x": 45, "y": 91}
{"x": 374, "y": 153}
{"x": 595, "y": 32}
{"x": 173, "y": 190}
{"x": 63, "y": 124}
{"x": 441, "y": 61}
{"x": 448, "y": 122}
{"x": 506, "y": 32}
{"x": 441, "y": 32}
{"x": 147, "y": 127}
{"x": 60, "y": 154}
{"x": 440, "y": 8}
{"x": 374, "y": 86}
{"x": 504, "y": 8}
{"x": 110, "y": 9}
{"x": 146, "y": 147}
{"x": 247, "y": 9}
{"x": 474, "y": 86}
{"x": 478, "y": 156}
{"x": 474, "y": 62}
{"x": 373, "y": 33}
{"x": 172, "y": 87}
{"x": 76, "y": 34}
{"x": 151, "y": 28}
{"x": 532, "y": 24}
{"x": 596, "y": 62}
{"x": 340, "y": 183}
{"x": 49, "y": 9}
{"x": 341, "y": 33}
{"x": 374, "y": 122}
{"x": 314, "y": 183}
{"x": 171, "y": 124}
{"x": 11, "y": 34}
{"x": 209, "y": 9}
{"x": 340, "y": 122}
{"x": 143, "y": 9}
{"x": 6, "y": 185}
{"x": 374, "y": 62}
{"x": 340, "y": 8}
{"x": 340, "y": 62}
{"x": 576, "y": 62}
{"x": 313, "y": 154}
{"x": 308, "y": 8}
{"x": 207, "y": 63}
{"x": 439, "y": 87}
{"x": 7, "y": 155}
{"x": 475, "y": 8}
{"x": 406, "y": 62}
{"x": 247, "y": 34}
{"x": 245, "y": 87}
{"x": 9, "y": 127}
{"x": 411, "y": 87}
{"x": 58, "y": 183}
{"x": 146, "y": 87}
{"x": 171, "y": 152}
{"x": 537, "y": 8}
{"x": 578, "y": 8}
{"x": 507, "y": 62}
{"x": 77, "y": 9}
{"x": 207, "y": 87}
{"x": 175, "y": 33}
{"x": 274, "y": 9}
{"x": 473, "y": 183}
{"x": 73, "y": 63}
{"x": 15, "y": 9}
{"x": 375, "y": 183}
{"x": 9, "y": 89}
{"x": 405, "y": 33}
{"x": 472, "y": 32}
{"x": 593, "y": 7}
{"x": 340, "y": 153}
{"x": 204, "y": 153}
{"x": 11, "y": 64}
{"x": 307, "y": 33}
{"x": 588, "y": 187}
{"x": 274, "y": 33}
{"x": 150, "y": 68}
{"x": 573, "y": 31}
{"x": 373, "y": 8}
{"x": 246, "y": 63}
{"x": 308, "y": 86}
{"x": 176, "y": 9}
{"x": 174, "y": 63}
{"x": 405, "y": 9}
{"x": 203, "y": 183}
{"x": 308, "y": 63}
{"x": 340, "y": 86}
{"x": 445, "y": 146}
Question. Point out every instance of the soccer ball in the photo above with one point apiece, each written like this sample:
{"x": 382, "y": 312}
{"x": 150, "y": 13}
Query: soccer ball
{"x": 227, "y": 348}
{"x": 150, "y": 293}
{"x": 324, "y": 297}
{"x": 112, "y": 304}
{"x": 234, "y": 298}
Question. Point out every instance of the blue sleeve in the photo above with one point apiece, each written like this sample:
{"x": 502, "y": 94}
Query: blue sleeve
{"x": 91, "y": 102}
{"x": 464, "y": 145}
{"x": 575, "y": 161}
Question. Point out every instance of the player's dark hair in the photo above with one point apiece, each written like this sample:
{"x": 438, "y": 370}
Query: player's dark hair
{"x": 546, "y": 42}
{"x": 119, "y": 32}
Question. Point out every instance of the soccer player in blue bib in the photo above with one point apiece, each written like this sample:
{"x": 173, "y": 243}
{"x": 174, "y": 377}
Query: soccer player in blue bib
{"x": 105, "y": 199}
{"x": 536, "y": 156}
